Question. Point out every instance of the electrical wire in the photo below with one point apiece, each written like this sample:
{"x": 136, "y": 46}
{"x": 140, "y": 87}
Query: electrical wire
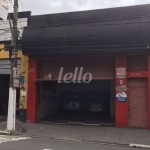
{"x": 23, "y": 10}
{"x": 5, "y": 33}
{"x": 55, "y": 46}
{"x": 98, "y": 21}
{"x": 84, "y": 37}
{"x": 96, "y": 47}
{"x": 21, "y": 5}
{"x": 94, "y": 38}
{"x": 8, "y": 29}
{"x": 11, "y": 4}
{"x": 75, "y": 24}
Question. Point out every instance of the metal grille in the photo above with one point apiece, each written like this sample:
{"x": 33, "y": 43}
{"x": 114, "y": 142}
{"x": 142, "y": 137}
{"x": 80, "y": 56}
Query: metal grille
{"x": 98, "y": 67}
{"x": 138, "y": 103}
{"x": 137, "y": 63}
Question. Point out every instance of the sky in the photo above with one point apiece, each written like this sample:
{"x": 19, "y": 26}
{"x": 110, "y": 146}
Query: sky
{"x": 38, "y": 7}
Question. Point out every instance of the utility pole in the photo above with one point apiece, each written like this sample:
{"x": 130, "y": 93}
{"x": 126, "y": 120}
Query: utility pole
{"x": 11, "y": 118}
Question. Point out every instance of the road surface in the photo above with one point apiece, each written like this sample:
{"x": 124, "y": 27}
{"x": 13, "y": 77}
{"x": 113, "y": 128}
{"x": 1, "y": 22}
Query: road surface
{"x": 26, "y": 143}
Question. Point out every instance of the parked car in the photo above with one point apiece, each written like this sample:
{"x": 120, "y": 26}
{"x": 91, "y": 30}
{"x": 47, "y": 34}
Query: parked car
{"x": 95, "y": 105}
{"x": 72, "y": 102}
{"x": 95, "y": 101}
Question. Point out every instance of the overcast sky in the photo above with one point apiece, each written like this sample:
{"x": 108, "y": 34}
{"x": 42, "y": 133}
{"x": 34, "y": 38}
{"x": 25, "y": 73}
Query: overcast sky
{"x": 57, "y": 6}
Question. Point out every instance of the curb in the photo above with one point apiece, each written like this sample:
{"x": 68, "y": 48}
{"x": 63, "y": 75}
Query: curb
{"x": 96, "y": 142}
{"x": 139, "y": 146}
{"x": 85, "y": 141}
{"x": 5, "y": 133}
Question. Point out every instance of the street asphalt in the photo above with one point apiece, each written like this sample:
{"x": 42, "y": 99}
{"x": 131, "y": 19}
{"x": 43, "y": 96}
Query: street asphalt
{"x": 48, "y": 144}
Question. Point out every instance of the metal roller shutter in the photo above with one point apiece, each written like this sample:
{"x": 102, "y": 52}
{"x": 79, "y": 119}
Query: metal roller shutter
{"x": 5, "y": 66}
{"x": 138, "y": 103}
{"x": 99, "y": 67}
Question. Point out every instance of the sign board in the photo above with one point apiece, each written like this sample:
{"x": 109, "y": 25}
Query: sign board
{"x": 16, "y": 73}
{"x": 4, "y": 6}
{"x": 121, "y": 88}
{"x": 49, "y": 76}
{"x": 16, "y": 77}
{"x": 121, "y": 72}
{"x": 121, "y": 96}
{"x": 23, "y": 93}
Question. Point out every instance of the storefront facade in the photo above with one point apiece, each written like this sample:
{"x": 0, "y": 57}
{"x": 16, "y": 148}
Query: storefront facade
{"x": 115, "y": 52}
{"x": 133, "y": 112}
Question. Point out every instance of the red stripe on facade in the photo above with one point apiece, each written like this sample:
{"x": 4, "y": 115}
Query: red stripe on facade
{"x": 137, "y": 74}
{"x": 32, "y": 92}
{"x": 149, "y": 90}
{"x": 121, "y": 107}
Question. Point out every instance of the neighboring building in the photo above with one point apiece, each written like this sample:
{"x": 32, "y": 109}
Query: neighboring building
{"x": 5, "y": 77}
{"x": 5, "y": 39}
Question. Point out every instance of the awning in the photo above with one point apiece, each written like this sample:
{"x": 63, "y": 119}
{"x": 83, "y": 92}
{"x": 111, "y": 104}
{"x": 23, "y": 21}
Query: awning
{"x": 116, "y": 35}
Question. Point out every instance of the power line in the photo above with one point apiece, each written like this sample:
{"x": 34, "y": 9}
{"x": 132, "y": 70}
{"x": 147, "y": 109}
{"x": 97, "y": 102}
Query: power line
{"x": 21, "y": 5}
{"x": 6, "y": 22}
{"x": 23, "y": 10}
{"x": 10, "y": 4}
{"x": 9, "y": 29}
{"x": 95, "y": 46}
{"x": 6, "y": 30}
{"x": 82, "y": 23}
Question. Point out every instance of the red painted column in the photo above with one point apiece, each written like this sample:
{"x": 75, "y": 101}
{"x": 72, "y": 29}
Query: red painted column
{"x": 121, "y": 107}
{"x": 32, "y": 92}
{"x": 149, "y": 91}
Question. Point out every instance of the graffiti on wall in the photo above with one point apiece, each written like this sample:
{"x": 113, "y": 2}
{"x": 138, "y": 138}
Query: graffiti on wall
{"x": 23, "y": 82}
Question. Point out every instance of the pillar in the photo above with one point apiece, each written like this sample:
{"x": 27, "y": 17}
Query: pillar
{"x": 32, "y": 92}
{"x": 121, "y": 107}
{"x": 149, "y": 91}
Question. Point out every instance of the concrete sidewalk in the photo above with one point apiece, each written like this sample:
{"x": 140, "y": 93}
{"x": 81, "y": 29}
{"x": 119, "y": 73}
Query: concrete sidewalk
{"x": 89, "y": 133}
{"x": 81, "y": 133}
